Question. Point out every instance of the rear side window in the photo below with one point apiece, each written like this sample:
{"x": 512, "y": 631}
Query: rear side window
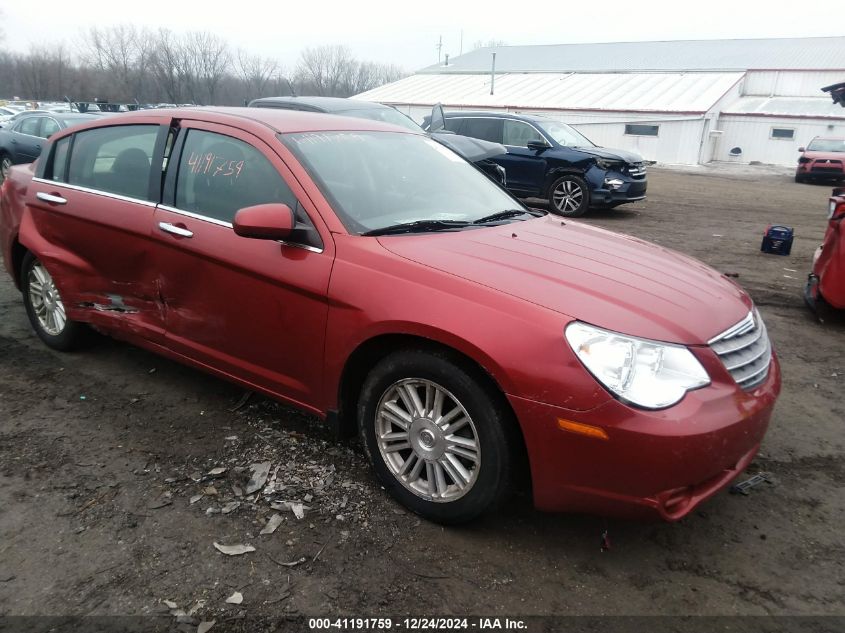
{"x": 57, "y": 169}
{"x": 29, "y": 125}
{"x": 485, "y": 129}
{"x": 218, "y": 175}
{"x": 114, "y": 159}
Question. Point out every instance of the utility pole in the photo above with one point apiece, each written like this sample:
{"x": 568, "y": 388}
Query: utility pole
{"x": 439, "y": 48}
{"x": 462, "y": 42}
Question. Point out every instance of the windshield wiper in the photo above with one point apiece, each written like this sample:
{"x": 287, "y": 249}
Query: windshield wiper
{"x": 419, "y": 226}
{"x": 504, "y": 215}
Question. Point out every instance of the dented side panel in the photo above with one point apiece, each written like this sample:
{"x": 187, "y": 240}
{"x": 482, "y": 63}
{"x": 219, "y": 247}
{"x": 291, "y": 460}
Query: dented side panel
{"x": 100, "y": 252}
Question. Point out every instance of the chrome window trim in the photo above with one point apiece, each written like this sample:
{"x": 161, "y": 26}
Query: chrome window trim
{"x": 97, "y": 192}
{"x": 205, "y": 218}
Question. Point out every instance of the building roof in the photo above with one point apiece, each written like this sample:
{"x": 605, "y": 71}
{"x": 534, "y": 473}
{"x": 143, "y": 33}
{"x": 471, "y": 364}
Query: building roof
{"x": 806, "y": 53}
{"x": 620, "y": 92}
{"x": 786, "y": 107}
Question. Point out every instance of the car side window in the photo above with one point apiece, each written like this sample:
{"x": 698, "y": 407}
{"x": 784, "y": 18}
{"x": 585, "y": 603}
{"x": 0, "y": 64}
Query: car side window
{"x": 114, "y": 159}
{"x": 49, "y": 127}
{"x": 485, "y": 129}
{"x": 519, "y": 134}
{"x": 453, "y": 124}
{"x": 57, "y": 169}
{"x": 29, "y": 125}
{"x": 218, "y": 175}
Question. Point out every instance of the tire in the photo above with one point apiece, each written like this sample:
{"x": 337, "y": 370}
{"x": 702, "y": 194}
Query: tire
{"x": 5, "y": 165}
{"x": 799, "y": 178}
{"x": 469, "y": 408}
{"x": 569, "y": 196}
{"x": 45, "y": 308}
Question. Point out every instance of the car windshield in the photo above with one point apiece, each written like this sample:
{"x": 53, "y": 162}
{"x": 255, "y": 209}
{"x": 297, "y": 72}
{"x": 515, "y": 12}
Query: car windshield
{"x": 565, "y": 135}
{"x": 381, "y": 179}
{"x": 386, "y": 115}
{"x": 827, "y": 145}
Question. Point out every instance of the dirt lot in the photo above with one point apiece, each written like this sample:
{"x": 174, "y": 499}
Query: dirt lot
{"x": 100, "y": 450}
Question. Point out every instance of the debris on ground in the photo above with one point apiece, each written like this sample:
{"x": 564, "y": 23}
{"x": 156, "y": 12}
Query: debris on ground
{"x": 235, "y": 598}
{"x": 233, "y": 550}
{"x": 260, "y": 472}
{"x": 230, "y": 507}
{"x": 205, "y": 626}
{"x": 743, "y": 487}
{"x": 272, "y": 524}
{"x": 216, "y": 472}
{"x": 298, "y": 509}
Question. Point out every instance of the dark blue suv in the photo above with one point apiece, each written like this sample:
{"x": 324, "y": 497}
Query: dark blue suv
{"x": 549, "y": 159}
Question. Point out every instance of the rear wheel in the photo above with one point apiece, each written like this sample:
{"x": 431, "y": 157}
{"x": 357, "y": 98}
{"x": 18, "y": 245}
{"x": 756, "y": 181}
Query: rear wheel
{"x": 799, "y": 178}
{"x": 45, "y": 307}
{"x": 569, "y": 196}
{"x": 436, "y": 436}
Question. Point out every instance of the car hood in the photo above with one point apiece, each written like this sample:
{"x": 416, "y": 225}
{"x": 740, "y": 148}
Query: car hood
{"x": 607, "y": 279}
{"x": 472, "y": 149}
{"x": 612, "y": 154}
{"x": 824, "y": 155}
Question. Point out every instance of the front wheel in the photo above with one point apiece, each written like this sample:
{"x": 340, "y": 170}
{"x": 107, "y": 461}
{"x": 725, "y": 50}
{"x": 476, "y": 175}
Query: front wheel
{"x": 436, "y": 436}
{"x": 569, "y": 196}
{"x": 5, "y": 166}
{"x": 45, "y": 307}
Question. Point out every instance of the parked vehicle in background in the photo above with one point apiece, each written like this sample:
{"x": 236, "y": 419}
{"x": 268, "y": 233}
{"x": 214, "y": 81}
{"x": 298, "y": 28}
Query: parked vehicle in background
{"x": 822, "y": 159}
{"x": 548, "y": 159}
{"x": 476, "y": 151}
{"x": 371, "y": 276}
{"x": 22, "y": 140}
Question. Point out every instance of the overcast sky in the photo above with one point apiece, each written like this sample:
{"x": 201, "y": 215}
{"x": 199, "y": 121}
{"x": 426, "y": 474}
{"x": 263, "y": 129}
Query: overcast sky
{"x": 406, "y": 33}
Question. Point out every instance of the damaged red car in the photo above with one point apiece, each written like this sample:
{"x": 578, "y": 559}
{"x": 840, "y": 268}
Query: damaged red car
{"x": 369, "y": 275}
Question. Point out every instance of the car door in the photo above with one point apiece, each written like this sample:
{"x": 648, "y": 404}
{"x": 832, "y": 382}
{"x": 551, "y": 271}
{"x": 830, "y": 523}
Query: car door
{"x": 92, "y": 202}
{"x": 250, "y": 308}
{"x": 26, "y": 140}
{"x": 526, "y": 168}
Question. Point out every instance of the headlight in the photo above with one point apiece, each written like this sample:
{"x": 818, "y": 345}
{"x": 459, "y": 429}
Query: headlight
{"x": 831, "y": 209}
{"x": 603, "y": 163}
{"x": 613, "y": 183}
{"x": 644, "y": 373}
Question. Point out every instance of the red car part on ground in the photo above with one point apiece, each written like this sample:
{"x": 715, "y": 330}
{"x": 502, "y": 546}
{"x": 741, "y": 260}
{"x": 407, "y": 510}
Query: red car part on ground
{"x": 632, "y": 379}
{"x": 828, "y": 276}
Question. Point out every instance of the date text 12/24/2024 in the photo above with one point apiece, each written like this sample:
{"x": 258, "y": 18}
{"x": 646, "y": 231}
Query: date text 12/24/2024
{"x": 416, "y": 624}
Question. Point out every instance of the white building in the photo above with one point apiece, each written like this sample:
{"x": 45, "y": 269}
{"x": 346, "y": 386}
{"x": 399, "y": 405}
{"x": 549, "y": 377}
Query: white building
{"x": 684, "y": 102}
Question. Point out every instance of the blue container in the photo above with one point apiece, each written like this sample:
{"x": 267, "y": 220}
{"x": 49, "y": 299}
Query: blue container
{"x": 777, "y": 240}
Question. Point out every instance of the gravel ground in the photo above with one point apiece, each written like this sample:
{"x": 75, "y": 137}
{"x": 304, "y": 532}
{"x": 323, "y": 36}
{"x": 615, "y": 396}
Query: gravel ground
{"x": 110, "y": 502}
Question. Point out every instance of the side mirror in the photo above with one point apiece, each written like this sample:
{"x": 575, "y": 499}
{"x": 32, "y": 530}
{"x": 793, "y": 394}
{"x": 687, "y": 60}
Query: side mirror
{"x": 264, "y": 222}
{"x": 538, "y": 146}
{"x": 801, "y": 149}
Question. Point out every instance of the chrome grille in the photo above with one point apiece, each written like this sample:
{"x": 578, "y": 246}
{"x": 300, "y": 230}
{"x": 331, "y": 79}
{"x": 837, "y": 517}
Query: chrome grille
{"x": 637, "y": 170}
{"x": 745, "y": 350}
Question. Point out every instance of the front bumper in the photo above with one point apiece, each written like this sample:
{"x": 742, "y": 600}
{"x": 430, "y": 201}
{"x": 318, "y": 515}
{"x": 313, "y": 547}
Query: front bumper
{"x": 821, "y": 169}
{"x": 631, "y": 189}
{"x": 653, "y": 464}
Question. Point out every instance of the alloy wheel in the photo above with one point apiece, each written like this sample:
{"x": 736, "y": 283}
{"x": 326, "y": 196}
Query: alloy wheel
{"x": 428, "y": 440}
{"x": 5, "y": 166}
{"x": 567, "y": 196}
{"x": 46, "y": 301}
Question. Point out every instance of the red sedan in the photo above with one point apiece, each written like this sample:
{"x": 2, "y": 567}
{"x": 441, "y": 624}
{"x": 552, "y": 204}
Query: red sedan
{"x": 369, "y": 275}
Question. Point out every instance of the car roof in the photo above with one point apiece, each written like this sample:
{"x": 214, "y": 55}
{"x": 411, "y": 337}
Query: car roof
{"x": 537, "y": 118}
{"x": 323, "y": 104}
{"x": 829, "y": 138}
{"x": 279, "y": 120}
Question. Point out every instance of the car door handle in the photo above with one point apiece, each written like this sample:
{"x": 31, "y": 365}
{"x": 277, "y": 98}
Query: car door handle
{"x": 51, "y": 198}
{"x": 175, "y": 230}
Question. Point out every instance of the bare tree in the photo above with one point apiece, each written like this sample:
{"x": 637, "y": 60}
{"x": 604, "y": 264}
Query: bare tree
{"x": 322, "y": 69}
{"x": 165, "y": 64}
{"x": 120, "y": 52}
{"x": 210, "y": 58}
{"x": 256, "y": 73}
